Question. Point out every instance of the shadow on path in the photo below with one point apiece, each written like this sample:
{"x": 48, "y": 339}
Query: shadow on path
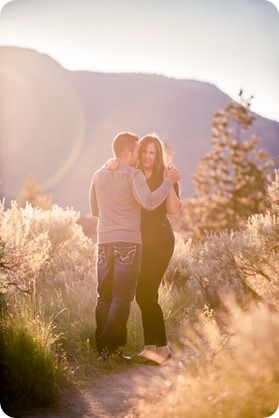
{"x": 115, "y": 394}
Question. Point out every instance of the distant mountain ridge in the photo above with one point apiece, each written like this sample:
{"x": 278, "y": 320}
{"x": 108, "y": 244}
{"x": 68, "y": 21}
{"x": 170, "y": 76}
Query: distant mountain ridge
{"x": 58, "y": 125}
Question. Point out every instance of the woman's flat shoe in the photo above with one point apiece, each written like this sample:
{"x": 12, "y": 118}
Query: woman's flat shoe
{"x": 150, "y": 362}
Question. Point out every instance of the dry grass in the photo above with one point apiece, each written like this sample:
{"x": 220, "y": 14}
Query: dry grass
{"x": 48, "y": 286}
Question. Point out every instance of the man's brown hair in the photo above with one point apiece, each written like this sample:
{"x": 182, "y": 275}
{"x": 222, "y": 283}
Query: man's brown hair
{"x": 122, "y": 142}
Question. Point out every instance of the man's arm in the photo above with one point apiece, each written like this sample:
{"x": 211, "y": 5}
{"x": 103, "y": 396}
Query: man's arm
{"x": 93, "y": 200}
{"x": 151, "y": 200}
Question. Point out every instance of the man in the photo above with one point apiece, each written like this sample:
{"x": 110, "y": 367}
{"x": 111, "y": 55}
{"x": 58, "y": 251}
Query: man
{"x": 116, "y": 198}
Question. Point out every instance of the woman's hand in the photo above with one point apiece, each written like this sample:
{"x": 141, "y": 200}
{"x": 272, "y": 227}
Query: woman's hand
{"x": 112, "y": 164}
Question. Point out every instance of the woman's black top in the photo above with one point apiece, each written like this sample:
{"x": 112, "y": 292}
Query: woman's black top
{"x": 155, "y": 225}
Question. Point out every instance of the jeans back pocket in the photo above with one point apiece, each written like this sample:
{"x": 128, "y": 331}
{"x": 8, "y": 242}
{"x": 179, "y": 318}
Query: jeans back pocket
{"x": 125, "y": 255}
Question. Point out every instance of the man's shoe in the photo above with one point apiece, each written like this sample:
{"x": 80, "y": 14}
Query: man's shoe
{"x": 124, "y": 358}
{"x": 105, "y": 354}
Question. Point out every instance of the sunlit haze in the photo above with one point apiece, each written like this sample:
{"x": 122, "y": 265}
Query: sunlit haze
{"x": 231, "y": 44}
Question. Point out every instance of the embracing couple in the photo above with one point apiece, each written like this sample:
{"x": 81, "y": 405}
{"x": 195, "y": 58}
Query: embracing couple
{"x": 131, "y": 196}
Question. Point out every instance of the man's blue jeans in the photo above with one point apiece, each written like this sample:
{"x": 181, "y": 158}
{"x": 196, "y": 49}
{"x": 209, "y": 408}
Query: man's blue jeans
{"x": 118, "y": 268}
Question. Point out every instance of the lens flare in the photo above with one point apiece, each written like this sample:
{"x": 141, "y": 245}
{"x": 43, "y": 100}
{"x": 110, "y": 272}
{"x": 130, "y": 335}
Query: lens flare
{"x": 42, "y": 127}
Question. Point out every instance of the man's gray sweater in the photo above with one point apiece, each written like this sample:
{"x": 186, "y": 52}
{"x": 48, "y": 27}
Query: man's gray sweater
{"x": 116, "y": 198}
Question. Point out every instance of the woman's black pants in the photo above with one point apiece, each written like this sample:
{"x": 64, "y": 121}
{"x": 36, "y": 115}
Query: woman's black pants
{"x": 155, "y": 260}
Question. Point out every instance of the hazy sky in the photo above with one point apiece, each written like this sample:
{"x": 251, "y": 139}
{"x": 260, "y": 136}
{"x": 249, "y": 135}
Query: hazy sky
{"x": 230, "y": 43}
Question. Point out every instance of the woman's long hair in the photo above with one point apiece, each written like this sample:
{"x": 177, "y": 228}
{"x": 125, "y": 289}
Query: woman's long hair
{"x": 160, "y": 162}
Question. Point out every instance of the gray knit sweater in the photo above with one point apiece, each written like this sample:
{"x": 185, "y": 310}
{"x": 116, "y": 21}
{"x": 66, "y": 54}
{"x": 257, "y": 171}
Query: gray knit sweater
{"x": 116, "y": 198}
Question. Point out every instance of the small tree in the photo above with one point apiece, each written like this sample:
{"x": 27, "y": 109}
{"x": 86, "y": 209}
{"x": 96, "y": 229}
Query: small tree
{"x": 31, "y": 193}
{"x": 230, "y": 181}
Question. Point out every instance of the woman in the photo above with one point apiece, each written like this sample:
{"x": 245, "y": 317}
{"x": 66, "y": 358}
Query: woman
{"x": 157, "y": 250}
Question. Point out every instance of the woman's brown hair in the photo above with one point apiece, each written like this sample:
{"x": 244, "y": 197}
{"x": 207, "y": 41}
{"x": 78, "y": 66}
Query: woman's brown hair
{"x": 160, "y": 162}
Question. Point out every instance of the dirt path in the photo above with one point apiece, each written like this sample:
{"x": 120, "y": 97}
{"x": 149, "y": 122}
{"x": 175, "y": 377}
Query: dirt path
{"x": 116, "y": 394}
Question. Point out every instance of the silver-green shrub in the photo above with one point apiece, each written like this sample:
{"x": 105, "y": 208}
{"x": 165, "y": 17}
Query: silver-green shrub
{"x": 45, "y": 244}
{"x": 244, "y": 263}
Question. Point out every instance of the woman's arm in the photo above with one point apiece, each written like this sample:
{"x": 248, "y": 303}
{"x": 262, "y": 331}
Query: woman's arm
{"x": 173, "y": 203}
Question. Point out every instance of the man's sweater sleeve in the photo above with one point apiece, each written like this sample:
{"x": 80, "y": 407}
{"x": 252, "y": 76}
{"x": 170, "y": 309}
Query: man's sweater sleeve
{"x": 147, "y": 199}
{"x": 93, "y": 200}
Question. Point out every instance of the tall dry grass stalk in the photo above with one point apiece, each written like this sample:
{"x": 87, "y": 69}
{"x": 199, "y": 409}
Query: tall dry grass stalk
{"x": 229, "y": 372}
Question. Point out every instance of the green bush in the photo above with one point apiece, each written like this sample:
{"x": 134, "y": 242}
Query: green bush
{"x": 30, "y": 371}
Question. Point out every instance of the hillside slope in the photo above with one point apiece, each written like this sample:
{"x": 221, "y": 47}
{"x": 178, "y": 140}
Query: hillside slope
{"x": 58, "y": 125}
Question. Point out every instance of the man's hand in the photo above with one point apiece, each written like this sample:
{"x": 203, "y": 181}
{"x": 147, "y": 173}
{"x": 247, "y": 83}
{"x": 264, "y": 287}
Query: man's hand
{"x": 172, "y": 173}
